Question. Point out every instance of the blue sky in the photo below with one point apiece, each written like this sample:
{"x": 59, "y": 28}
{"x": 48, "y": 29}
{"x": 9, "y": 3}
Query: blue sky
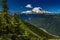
{"x": 19, "y": 5}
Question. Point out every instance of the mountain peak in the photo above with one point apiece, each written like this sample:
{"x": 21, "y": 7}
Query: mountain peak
{"x": 36, "y": 10}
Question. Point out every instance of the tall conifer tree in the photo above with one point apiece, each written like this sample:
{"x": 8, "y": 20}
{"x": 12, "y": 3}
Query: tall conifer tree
{"x": 4, "y": 5}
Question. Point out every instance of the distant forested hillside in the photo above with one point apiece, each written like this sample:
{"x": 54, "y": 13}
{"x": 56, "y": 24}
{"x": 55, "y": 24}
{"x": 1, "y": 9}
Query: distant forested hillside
{"x": 49, "y": 22}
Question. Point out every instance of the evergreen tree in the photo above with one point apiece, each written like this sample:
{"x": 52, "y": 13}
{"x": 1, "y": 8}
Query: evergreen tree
{"x": 4, "y": 5}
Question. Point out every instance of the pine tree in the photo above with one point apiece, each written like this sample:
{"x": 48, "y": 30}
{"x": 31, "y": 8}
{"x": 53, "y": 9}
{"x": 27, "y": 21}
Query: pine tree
{"x": 4, "y": 5}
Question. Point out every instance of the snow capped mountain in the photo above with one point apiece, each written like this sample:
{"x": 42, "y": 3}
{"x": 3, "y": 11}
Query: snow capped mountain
{"x": 39, "y": 10}
{"x": 36, "y": 10}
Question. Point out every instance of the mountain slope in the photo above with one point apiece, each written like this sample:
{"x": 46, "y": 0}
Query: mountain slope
{"x": 40, "y": 32}
{"x": 49, "y": 22}
{"x": 13, "y": 28}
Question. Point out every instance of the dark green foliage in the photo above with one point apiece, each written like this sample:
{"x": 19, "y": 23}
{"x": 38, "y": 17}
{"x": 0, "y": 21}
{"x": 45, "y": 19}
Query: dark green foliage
{"x": 13, "y": 28}
{"x": 4, "y": 5}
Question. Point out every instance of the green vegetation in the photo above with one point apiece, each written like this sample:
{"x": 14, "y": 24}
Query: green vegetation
{"x": 40, "y": 32}
{"x": 13, "y": 28}
{"x": 50, "y": 22}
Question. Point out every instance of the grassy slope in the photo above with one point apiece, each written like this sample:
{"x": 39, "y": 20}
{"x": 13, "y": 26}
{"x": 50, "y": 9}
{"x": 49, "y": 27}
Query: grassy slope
{"x": 40, "y": 32}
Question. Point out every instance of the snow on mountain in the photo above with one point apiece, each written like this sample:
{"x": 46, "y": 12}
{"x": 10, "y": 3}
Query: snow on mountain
{"x": 38, "y": 10}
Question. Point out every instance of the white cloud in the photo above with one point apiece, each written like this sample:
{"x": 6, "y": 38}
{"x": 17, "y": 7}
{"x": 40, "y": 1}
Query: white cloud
{"x": 28, "y": 6}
